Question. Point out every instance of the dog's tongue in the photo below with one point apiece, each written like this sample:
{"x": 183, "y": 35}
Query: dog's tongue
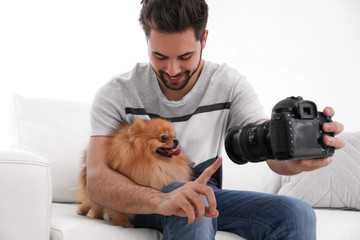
{"x": 176, "y": 152}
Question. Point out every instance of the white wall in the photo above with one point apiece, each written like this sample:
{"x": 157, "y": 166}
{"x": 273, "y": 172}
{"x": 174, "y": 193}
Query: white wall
{"x": 67, "y": 49}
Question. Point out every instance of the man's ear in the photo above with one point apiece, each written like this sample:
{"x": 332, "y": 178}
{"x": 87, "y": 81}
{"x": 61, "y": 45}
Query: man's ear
{"x": 204, "y": 39}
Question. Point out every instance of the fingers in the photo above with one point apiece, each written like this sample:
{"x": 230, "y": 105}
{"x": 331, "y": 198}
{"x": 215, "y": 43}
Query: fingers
{"x": 188, "y": 200}
{"x": 337, "y": 143}
{"x": 207, "y": 191}
{"x": 187, "y": 208}
{"x": 196, "y": 201}
{"x": 195, "y": 194}
{"x": 334, "y": 127}
{"x": 208, "y": 172}
{"x": 329, "y": 111}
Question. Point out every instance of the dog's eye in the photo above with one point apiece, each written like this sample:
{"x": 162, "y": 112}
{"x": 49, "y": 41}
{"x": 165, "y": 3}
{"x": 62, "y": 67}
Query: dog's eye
{"x": 163, "y": 138}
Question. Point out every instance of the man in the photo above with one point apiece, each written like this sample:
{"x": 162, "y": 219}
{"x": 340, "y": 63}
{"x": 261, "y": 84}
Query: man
{"x": 203, "y": 100}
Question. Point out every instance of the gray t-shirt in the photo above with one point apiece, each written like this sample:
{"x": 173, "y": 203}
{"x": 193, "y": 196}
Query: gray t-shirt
{"x": 220, "y": 99}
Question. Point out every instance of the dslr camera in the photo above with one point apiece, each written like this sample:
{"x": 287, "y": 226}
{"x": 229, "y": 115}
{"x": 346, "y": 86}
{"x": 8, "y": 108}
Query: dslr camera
{"x": 294, "y": 132}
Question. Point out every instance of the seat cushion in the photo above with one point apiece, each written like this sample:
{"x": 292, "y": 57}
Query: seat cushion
{"x": 337, "y": 224}
{"x": 67, "y": 225}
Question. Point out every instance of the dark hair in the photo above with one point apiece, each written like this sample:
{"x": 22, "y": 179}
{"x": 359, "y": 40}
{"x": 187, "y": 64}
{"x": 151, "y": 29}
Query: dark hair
{"x": 174, "y": 16}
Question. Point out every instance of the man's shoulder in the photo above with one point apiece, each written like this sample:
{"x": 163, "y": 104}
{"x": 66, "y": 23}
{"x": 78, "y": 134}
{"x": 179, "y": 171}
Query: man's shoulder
{"x": 140, "y": 70}
{"x": 137, "y": 75}
{"x": 224, "y": 74}
{"x": 222, "y": 69}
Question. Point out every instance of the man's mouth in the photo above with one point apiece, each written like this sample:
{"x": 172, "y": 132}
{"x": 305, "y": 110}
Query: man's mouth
{"x": 168, "y": 152}
{"x": 176, "y": 82}
{"x": 174, "y": 79}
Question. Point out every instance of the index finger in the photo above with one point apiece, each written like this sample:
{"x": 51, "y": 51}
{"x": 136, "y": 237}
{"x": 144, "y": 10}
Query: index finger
{"x": 329, "y": 111}
{"x": 209, "y": 171}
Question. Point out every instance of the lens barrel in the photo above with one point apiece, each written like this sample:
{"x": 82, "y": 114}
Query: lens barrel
{"x": 249, "y": 143}
{"x": 233, "y": 146}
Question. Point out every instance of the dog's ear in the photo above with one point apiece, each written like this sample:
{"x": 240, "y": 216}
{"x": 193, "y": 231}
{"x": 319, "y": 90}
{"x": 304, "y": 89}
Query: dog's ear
{"x": 137, "y": 126}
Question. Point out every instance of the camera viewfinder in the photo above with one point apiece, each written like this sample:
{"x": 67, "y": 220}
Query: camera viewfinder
{"x": 307, "y": 111}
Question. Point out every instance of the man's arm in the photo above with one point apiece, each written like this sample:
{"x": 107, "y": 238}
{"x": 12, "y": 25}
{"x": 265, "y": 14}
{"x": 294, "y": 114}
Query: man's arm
{"x": 296, "y": 166}
{"x": 115, "y": 191}
{"x": 111, "y": 189}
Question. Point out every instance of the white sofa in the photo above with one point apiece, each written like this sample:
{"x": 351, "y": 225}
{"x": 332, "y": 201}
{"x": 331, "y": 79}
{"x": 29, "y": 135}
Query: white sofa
{"x": 38, "y": 179}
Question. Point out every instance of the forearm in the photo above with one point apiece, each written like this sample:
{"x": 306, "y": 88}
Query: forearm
{"x": 115, "y": 191}
{"x": 281, "y": 167}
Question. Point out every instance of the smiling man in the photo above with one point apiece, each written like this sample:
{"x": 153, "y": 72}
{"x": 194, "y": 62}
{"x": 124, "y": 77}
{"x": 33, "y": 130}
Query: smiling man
{"x": 203, "y": 100}
{"x": 177, "y": 68}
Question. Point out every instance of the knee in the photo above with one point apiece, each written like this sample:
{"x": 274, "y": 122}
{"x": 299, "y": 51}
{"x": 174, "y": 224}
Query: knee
{"x": 299, "y": 219}
{"x": 202, "y": 229}
{"x": 205, "y": 227}
{"x": 301, "y": 212}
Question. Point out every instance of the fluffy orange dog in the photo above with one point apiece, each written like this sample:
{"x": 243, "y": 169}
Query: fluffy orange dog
{"x": 144, "y": 151}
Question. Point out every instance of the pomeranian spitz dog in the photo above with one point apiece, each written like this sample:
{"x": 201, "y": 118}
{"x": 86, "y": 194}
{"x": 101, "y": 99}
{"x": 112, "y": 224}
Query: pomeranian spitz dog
{"x": 148, "y": 153}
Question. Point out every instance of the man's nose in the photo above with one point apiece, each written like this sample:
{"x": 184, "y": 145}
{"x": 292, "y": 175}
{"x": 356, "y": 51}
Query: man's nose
{"x": 173, "y": 67}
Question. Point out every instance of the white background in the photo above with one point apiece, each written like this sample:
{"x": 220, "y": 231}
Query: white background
{"x": 67, "y": 49}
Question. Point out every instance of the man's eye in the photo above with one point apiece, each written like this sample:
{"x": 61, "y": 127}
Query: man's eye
{"x": 187, "y": 57}
{"x": 158, "y": 57}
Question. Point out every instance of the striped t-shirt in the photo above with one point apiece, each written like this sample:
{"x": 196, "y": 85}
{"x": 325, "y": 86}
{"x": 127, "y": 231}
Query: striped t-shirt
{"x": 220, "y": 99}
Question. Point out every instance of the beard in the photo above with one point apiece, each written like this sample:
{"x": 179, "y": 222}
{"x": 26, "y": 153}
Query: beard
{"x": 175, "y": 85}
{"x": 184, "y": 77}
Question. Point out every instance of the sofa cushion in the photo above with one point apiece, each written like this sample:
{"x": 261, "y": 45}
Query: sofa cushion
{"x": 58, "y": 131}
{"x": 337, "y": 224}
{"x": 67, "y": 225}
{"x": 335, "y": 186}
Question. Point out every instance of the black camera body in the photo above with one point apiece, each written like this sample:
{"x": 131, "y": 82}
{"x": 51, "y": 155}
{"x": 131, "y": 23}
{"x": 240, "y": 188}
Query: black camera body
{"x": 294, "y": 132}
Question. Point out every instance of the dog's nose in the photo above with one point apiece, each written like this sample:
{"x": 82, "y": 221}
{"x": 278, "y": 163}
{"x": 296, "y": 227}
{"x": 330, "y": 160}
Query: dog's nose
{"x": 176, "y": 142}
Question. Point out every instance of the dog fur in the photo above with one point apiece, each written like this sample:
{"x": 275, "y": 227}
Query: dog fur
{"x": 146, "y": 152}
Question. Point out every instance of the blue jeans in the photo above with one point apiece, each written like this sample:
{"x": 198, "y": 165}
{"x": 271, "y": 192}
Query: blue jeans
{"x": 250, "y": 215}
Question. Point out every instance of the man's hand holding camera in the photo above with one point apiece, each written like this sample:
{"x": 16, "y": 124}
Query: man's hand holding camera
{"x": 298, "y": 166}
{"x": 298, "y": 138}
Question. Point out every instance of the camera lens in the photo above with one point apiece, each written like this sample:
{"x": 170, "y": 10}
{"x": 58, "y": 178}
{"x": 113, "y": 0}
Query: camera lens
{"x": 233, "y": 146}
{"x": 250, "y": 143}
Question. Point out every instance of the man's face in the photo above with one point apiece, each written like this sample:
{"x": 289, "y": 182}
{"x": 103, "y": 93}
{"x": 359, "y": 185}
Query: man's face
{"x": 175, "y": 57}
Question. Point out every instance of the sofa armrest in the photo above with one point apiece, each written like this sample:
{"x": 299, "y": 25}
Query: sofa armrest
{"x": 25, "y": 196}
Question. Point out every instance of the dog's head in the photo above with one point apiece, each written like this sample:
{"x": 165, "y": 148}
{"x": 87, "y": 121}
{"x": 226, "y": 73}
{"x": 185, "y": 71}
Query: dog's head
{"x": 156, "y": 135}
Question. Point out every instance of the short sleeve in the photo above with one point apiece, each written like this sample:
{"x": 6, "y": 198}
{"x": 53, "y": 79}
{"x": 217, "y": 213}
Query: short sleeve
{"x": 106, "y": 110}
